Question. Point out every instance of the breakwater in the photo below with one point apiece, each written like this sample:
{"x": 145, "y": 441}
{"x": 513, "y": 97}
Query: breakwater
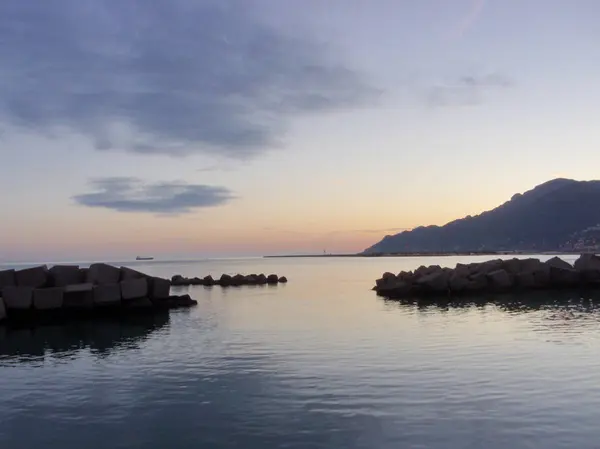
{"x": 492, "y": 276}
{"x": 227, "y": 280}
{"x": 68, "y": 291}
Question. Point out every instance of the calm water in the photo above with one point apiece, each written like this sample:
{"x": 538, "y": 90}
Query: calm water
{"x": 318, "y": 363}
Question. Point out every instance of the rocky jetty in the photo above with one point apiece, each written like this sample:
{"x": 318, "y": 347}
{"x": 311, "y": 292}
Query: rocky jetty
{"x": 70, "y": 291}
{"x": 227, "y": 280}
{"x": 492, "y": 276}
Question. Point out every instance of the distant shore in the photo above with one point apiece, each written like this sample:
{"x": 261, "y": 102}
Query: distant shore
{"x": 440, "y": 254}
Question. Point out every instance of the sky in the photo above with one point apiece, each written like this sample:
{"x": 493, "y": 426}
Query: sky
{"x": 221, "y": 128}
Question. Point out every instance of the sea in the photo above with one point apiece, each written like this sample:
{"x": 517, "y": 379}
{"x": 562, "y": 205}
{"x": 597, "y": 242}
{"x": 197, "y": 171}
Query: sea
{"x": 319, "y": 362}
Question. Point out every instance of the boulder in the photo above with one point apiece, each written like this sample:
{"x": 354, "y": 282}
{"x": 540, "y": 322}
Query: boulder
{"x": 395, "y": 289}
{"x": 36, "y": 277}
{"x": 251, "y": 279}
{"x": 500, "y": 279}
{"x": 587, "y": 262}
{"x": 107, "y": 294}
{"x": 387, "y": 275}
{"x": 525, "y": 280}
{"x": 557, "y": 262}
{"x": 208, "y": 280}
{"x": 283, "y": 280}
{"x": 102, "y": 273}
{"x": 159, "y": 288}
{"x": 134, "y": 289}
{"x": 18, "y": 298}
{"x": 130, "y": 273}
{"x": 477, "y": 282}
{"x": 564, "y": 277}
{"x": 48, "y": 298}
{"x": 2, "y": 311}
{"x": 7, "y": 279}
{"x": 238, "y": 279}
{"x": 195, "y": 281}
{"x": 272, "y": 279}
{"x": 459, "y": 280}
{"x": 437, "y": 282}
{"x": 261, "y": 279}
{"x": 225, "y": 280}
{"x": 406, "y": 276}
{"x": 181, "y": 301}
{"x": 63, "y": 275}
{"x": 79, "y": 296}
{"x": 489, "y": 266}
{"x": 512, "y": 266}
{"x": 462, "y": 270}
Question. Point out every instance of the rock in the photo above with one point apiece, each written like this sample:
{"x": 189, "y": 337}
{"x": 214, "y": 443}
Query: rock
{"x": 564, "y": 277}
{"x": 251, "y": 279}
{"x": 78, "y": 296}
{"x": 436, "y": 281}
{"x": 525, "y": 280}
{"x": 177, "y": 278}
{"x": 159, "y": 288}
{"x": 130, "y": 273}
{"x": 134, "y": 289}
{"x": 18, "y": 298}
{"x": 500, "y": 279}
{"x": 462, "y": 270}
{"x": 477, "y": 282}
{"x": 587, "y": 262}
{"x": 238, "y": 279}
{"x": 489, "y": 266}
{"x": 2, "y": 311}
{"x": 36, "y": 277}
{"x": 7, "y": 279}
{"x": 107, "y": 294}
{"x": 406, "y": 276}
{"x": 272, "y": 279}
{"x": 395, "y": 289}
{"x": 261, "y": 279}
{"x": 48, "y": 298}
{"x": 182, "y": 301}
{"x": 557, "y": 262}
{"x": 195, "y": 281}
{"x": 63, "y": 275}
{"x": 208, "y": 280}
{"x": 459, "y": 281}
{"x": 282, "y": 280}
{"x": 387, "y": 276}
{"x": 225, "y": 280}
{"x": 101, "y": 273}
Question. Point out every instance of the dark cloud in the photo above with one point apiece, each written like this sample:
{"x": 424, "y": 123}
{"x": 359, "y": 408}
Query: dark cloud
{"x": 171, "y": 77}
{"x": 466, "y": 90}
{"x": 132, "y": 195}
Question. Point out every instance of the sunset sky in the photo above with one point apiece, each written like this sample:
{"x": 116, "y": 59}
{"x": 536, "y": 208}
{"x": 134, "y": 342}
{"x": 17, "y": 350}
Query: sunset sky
{"x": 195, "y": 128}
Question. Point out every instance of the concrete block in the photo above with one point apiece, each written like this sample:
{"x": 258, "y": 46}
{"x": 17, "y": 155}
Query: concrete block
{"x": 63, "y": 275}
{"x": 101, "y": 273}
{"x": 48, "y": 298}
{"x": 7, "y": 279}
{"x": 18, "y": 298}
{"x": 107, "y": 294}
{"x": 159, "y": 288}
{"x": 134, "y": 288}
{"x": 36, "y": 277}
{"x": 130, "y": 273}
{"x": 78, "y": 296}
{"x": 2, "y": 311}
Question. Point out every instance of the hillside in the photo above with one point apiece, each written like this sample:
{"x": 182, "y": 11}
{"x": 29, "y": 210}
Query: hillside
{"x": 542, "y": 219}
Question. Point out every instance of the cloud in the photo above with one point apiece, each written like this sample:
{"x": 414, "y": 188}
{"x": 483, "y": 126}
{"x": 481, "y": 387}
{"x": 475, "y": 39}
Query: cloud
{"x": 123, "y": 194}
{"x": 174, "y": 77}
{"x": 466, "y": 89}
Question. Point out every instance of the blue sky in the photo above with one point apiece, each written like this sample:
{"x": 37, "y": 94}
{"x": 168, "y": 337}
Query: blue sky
{"x": 182, "y": 128}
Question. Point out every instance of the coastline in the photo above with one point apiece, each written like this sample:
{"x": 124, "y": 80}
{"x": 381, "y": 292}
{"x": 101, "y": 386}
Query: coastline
{"x": 420, "y": 254}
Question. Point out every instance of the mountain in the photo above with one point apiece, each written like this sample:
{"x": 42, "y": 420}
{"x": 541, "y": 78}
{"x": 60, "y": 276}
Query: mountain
{"x": 542, "y": 219}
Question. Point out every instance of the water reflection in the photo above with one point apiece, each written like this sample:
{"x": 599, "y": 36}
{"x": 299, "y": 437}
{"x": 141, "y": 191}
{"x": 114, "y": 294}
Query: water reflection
{"x": 100, "y": 337}
{"x": 586, "y": 301}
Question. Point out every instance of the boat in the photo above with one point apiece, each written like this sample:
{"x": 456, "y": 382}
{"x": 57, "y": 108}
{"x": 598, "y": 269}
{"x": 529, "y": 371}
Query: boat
{"x": 144, "y": 258}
